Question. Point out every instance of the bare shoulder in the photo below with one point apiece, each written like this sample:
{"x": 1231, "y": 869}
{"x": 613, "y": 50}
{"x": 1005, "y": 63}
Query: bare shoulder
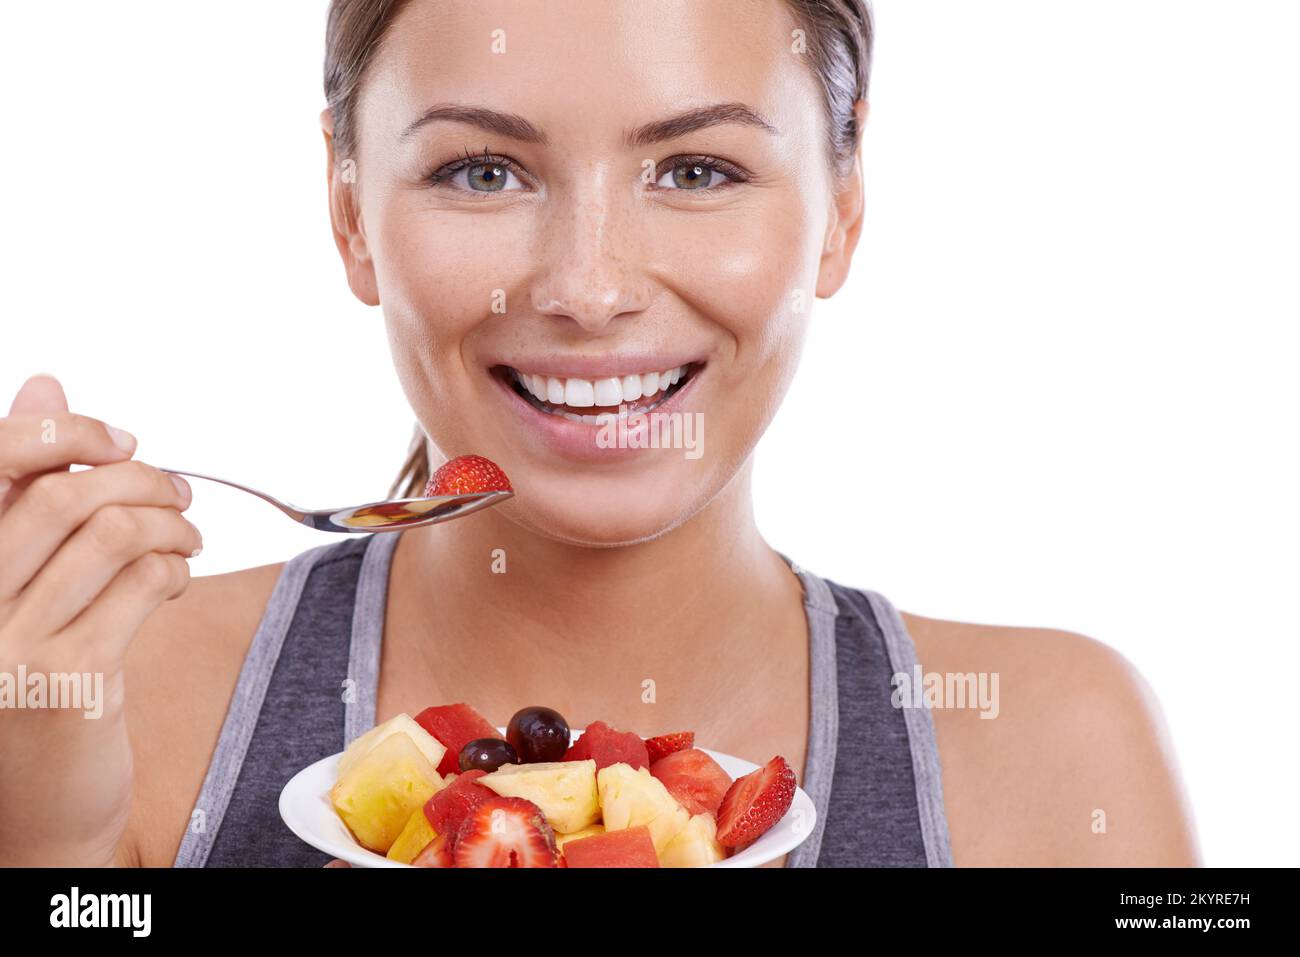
{"x": 180, "y": 674}
{"x": 1072, "y": 764}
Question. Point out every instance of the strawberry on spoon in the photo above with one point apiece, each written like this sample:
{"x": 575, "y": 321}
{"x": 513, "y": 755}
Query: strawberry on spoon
{"x": 467, "y": 475}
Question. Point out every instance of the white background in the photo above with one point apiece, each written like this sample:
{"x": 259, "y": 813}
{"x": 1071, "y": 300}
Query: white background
{"x": 1058, "y": 389}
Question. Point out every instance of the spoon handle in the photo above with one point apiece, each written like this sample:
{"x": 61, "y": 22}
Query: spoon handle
{"x": 297, "y": 514}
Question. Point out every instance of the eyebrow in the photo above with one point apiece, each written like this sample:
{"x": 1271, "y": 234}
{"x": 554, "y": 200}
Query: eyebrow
{"x": 493, "y": 121}
{"x": 700, "y": 118}
{"x": 516, "y": 127}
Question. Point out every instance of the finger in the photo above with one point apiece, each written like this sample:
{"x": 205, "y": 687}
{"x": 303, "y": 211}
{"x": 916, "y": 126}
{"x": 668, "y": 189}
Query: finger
{"x": 39, "y": 394}
{"x": 56, "y": 504}
{"x": 32, "y": 443}
{"x": 337, "y": 863}
{"x": 111, "y": 621}
{"x": 42, "y": 393}
{"x": 114, "y": 537}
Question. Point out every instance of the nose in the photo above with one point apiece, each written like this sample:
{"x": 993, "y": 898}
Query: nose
{"x": 592, "y": 271}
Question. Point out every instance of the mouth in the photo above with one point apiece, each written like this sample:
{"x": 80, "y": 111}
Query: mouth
{"x": 601, "y": 400}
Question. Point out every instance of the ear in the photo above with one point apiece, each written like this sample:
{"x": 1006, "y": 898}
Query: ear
{"x": 845, "y": 224}
{"x": 345, "y": 218}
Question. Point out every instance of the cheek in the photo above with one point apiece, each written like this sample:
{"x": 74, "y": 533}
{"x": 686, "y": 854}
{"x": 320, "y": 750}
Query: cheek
{"x": 440, "y": 275}
{"x": 751, "y": 271}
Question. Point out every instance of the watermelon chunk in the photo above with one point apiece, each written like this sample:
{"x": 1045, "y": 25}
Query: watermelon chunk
{"x": 692, "y": 777}
{"x": 606, "y": 746}
{"x": 454, "y": 725}
{"x": 628, "y": 847}
{"x": 450, "y": 806}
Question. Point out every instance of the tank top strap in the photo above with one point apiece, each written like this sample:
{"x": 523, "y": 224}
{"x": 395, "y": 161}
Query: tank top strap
{"x": 821, "y": 613}
{"x": 920, "y": 734}
{"x": 308, "y": 682}
{"x": 872, "y": 769}
{"x": 367, "y": 636}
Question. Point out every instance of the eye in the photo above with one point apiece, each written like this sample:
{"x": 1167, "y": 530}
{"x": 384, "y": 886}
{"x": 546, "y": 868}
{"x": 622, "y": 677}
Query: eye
{"x": 479, "y": 174}
{"x": 698, "y": 173}
{"x": 486, "y": 178}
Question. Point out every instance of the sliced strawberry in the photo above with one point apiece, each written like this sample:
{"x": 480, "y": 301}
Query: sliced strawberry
{"x": 467, "y": 474}
{"x": 663, "y": 745}
{"x": 694, "y": 779}
{"x": 505, "y": 832}
{"x": 607, "y": 746}
{"x": 755, "y": 802}
{"x": 450, "y": 806}
{"x": 454, "y": 725}
{"x": 437, "y": 853}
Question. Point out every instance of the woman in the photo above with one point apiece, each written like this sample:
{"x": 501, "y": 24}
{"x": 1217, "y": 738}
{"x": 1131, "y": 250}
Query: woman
{"x": 544, "y": 205}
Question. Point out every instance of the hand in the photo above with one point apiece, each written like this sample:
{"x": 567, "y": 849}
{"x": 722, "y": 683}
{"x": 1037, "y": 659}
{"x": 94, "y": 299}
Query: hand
{"x": 85, "y": 558}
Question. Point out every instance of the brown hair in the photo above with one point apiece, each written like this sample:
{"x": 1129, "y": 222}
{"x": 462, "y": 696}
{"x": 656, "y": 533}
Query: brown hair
{"x": 838, "y": 41}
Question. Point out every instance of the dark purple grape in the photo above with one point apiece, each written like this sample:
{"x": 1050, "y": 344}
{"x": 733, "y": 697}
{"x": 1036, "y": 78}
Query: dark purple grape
{"x": 487, "y": 754}
{"x": 538, "y": 734}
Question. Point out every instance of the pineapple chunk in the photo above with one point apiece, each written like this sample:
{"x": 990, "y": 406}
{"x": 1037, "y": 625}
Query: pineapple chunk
{"x": 414, "y": 838}
{"x": 630, "y": 798}
{"x": 562, "y": 839}
{"x": 433, "y": 748}
{"x": 695, "y": 846}
{"x": 564, "y": 790}
{"x": 381, "y": 790}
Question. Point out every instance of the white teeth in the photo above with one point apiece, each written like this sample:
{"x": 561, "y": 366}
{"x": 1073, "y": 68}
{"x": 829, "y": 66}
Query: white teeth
{"x": 579, "y": 393}
{"x": 607, "y": 392}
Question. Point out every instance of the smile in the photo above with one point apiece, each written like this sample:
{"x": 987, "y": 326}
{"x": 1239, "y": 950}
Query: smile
{"x": 600, "y": 400}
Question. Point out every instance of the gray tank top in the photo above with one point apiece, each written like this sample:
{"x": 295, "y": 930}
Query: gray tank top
{"x": 309, "y": 680}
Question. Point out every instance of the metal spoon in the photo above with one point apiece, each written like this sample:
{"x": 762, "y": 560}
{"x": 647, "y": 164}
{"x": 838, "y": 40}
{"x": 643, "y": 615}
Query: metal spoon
{"x": 386, "y": 516}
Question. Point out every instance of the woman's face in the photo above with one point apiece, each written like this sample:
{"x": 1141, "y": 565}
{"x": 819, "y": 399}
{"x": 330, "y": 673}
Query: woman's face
{"x": 569, "y": 201}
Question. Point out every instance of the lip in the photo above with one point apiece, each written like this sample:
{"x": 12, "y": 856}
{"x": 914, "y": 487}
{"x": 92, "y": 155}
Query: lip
{"x": 576, "y": 441}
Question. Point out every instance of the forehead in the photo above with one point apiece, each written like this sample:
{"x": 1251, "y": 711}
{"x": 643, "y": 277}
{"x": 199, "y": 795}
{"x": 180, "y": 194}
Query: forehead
{"x": 576, "y": 66}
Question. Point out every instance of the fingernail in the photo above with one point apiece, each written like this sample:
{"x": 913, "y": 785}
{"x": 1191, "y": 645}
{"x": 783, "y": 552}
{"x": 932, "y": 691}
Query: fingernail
{"x": 197, "y": 552}
{"x": 123, "y": 439}
{"x": 182, "y": 487}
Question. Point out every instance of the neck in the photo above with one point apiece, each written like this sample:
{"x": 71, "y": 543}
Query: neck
{"x": 694, "y": 622}
{"x": 521, "y": 584}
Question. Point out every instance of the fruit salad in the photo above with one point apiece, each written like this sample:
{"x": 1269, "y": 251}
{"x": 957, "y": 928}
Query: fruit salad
{"x": 444, "y": 789}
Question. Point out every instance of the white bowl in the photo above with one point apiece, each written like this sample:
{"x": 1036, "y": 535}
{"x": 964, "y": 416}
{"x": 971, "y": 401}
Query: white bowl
{"x": 305, "y": 807}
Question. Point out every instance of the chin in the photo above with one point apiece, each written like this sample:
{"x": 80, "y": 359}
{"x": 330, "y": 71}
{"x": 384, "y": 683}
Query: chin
{"x": 607, "y": 511}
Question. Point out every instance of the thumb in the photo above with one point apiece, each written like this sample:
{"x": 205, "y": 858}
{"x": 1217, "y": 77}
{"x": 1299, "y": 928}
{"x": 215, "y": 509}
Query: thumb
{"x": 41, "y": 393}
